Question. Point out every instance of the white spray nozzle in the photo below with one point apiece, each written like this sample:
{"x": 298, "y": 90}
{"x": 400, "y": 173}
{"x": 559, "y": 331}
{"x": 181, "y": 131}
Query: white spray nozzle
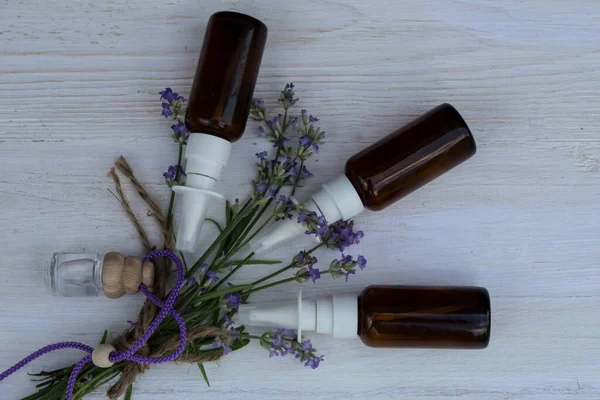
{"x": 336, "y": 200}
{"x": 206, "y": 157}
{"x": 337, "y": 315}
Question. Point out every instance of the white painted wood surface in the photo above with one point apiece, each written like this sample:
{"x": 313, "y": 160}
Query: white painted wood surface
{"x": 78, "y": 87}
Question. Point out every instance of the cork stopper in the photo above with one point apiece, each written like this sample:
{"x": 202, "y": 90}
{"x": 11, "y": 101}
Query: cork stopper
{"x": 122, "y": 275}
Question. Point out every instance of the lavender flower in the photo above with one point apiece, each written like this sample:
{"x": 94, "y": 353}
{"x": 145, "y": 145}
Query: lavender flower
{"x": 361, "y": 261}
{"x": 303, "y": 217}
{"x": 349, "y": 273}
{"x": 273, "y": 122}
{"x": 314, "y": 274}
{"x": 166, "y": 110}
{"x": 212, "y": 276}
{"x": 313, "y": 119}
{"x": 262, "y": 156}
{"x": 228, "y": 320}
{"x": 261, "y": 131}
{"x": 271, "y": 193}
{"x": 305, "y": 173}
{"x": 294, "y": 121}
{"x": 203, "y": 267}
{"x": 233, "y": 300}
{"x": 282, "y": 342}
{"x": 173, "y": 172}
{"x": 260, "y": 103}
{"x": 180, "y": 129}
{"x": 261, "y": 186}
{"x": 305, "y": 141}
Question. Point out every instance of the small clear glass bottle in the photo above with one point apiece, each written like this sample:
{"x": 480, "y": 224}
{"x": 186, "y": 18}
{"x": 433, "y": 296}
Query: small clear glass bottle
{"x": 75, "y": 274}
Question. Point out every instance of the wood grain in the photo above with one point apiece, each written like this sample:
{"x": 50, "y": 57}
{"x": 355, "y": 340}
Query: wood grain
{"x": 78, "y": 87}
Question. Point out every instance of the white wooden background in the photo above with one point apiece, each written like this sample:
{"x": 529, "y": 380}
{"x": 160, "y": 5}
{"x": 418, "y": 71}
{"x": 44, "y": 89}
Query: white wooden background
{"x": 78, "y": 87}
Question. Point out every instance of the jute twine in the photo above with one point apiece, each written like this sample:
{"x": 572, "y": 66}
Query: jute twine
{"x": 149, "y": 310}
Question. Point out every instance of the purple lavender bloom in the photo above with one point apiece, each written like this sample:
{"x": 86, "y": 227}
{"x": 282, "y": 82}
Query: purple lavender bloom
{"x": 352, "y": 272}
{"x": 212, "y": 276}
{"x": 314, "y": 273}
{"x": 131, "y": 323}
{"x": 303, "y": 217}
{"x": 305, "y": 141}
{"x": 260, "y": 103}
{"x": 346, "y": 259}
{"x": 192, "y": 281}
{"x": 233, "y": 300}
{"x": 203, "y": 290}
{"x": 300, "y": 257}
{"x": 273, "y": 352}
{"x": 303, "y": 112}
{"x": 305, "y": 173}
{"x": 294, "y": 120}
{"x": 261, "y": 131}
{"x": 322, "y": 231}
{"x": 180, "y": 129}
{"x": 271, "y": 193}
{"x": 273, "y": 122}
{"x": 227, "y": 350}
{"x": 228, "y": 321}
{"x": 307, "y": 345}
{"x": 315, "y": 147}
{"x": 166, "y": 110}
{"x": 283, "y": 199}
{"x": 168, "y": 95}
{"x": 362, "y": 262}
{"x": 314, "y": 362}
{"x": 171, "y": 172}
{"x": 262, "y": 156}
{"x": 281, "y": 142}
{"x": 284, "y": 159}
{"x": 313, "y": 119}
{"x": 293, "y": 169}
{"x": 321, "y": 221}
{"x": 261, "y": 186}
{"x": 203, "y": 267}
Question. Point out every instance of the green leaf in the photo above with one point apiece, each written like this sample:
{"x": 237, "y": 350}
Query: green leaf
{"x": 227, "y": 212}
{"x": 129, "y": 392}
{"x": 257, "y": 262}
{"x": 222, "y": 292}
{"x": 203, "y": 372}
{"x": 239, "y": 343}
{"x": 219, "y": 227}
{"x": 104, "y": 337}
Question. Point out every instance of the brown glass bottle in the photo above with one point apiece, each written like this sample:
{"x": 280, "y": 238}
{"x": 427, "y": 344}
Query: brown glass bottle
{"x": 224, "y": 83}
{"x": 411, "y": 157}
{"x": 421, "y": 316}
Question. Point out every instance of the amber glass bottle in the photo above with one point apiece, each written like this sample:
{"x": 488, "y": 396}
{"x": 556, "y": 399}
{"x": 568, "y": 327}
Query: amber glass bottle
{"x": 411, "y": 157}
{"x": 222, "y": 91}
{"x": 417, "y": 316}
{"x": 217, "y": 111}
{"x": 385, "y": 172}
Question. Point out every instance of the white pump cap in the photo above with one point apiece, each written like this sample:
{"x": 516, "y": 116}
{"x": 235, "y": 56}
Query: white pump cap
{"x": 336, "y": 200}
{"x": 206, "y": 157}
{"x": 337, "y": 315}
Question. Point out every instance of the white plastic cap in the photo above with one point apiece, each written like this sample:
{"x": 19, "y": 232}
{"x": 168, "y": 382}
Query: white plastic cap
{"x": 206, "y": 157}
{"x": 337, "y": 315}
{"x": 335, "y": 200}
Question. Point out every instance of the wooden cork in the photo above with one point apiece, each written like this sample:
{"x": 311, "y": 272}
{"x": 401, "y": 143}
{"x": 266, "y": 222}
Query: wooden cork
{"x": 132, "y": 274}
{"x": 148, "y": 275}
{"x": 112, "y": 269}
{"x": 122, "y": 275}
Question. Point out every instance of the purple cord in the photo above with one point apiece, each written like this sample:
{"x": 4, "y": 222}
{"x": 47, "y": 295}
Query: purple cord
{"x": 117, "y": 356}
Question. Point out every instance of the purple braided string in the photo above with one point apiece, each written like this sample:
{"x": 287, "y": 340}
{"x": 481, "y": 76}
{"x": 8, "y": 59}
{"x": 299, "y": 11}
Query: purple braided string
{"x": 167, "y": 307}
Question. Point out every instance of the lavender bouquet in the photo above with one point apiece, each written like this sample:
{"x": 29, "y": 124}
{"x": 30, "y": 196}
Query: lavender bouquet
{"x": 207, "y": 302}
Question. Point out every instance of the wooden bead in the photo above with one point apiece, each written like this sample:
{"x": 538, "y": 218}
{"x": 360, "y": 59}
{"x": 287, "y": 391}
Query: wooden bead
{"x": 112, "y": 269}
{"x": 101, "y": 354}
{"x": 148, "y": 275}
{"x": 132, "y": 274}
